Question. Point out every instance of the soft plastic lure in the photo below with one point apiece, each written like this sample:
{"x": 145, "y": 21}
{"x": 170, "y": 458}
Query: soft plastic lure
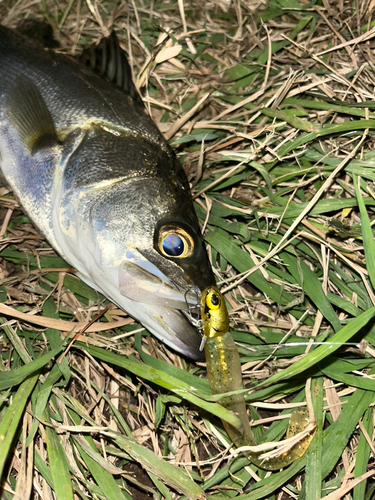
{"x": 224, "y": 375}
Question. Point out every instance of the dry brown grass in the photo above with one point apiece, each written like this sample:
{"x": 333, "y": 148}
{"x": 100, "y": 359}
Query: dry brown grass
{"x": 194, "y": 65}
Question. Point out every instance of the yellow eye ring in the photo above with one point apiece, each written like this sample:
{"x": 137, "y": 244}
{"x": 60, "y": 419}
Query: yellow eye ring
{"x": 213, "y": 301}
{"x": 175, "y": 242}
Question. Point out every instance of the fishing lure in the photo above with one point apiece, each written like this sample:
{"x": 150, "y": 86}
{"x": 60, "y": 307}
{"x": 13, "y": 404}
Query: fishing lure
{"x": 224, "y": 375}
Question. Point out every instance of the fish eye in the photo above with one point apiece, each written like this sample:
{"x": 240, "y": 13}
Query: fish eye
{"x": 173, "y": 245}
{"x": 213, "y": 301}
{"x": 175, "y": 242}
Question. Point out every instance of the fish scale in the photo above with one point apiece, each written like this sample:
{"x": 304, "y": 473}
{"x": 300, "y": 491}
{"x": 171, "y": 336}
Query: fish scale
{"x": 98, "y": 179}
{"x": 73, "y": 93}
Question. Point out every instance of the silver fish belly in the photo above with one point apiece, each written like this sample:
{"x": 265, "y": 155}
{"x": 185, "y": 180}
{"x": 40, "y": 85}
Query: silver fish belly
{"x": 94, "y": 174}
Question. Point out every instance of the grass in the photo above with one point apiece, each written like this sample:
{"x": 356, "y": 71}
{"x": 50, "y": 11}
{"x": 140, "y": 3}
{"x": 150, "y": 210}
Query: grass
{"x": 270, "y": 108}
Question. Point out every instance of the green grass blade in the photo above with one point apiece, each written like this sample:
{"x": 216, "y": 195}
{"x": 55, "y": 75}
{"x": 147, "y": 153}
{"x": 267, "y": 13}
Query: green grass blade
{"x": 12, "y": 417}
{"x": 160, "y": 486}
{"x": 103, "y": 478}
{"x": 243, "y": 262}
{"x": 313, "y": 288}
{"x": 348, "y": 379}
{"x": 15, "y": 377}
{"x": 322, "y": 132}
{"x": 44, "y": 471}
{"x": 162, "y": 379}
{"x": 175, "y": 477}
{"x": 368, "y": 237}
{"x": 314, "y": 479}
{"x": 58, "y": 463}
{"x": 363, "y": 455}
{"x": 337, "y": 435}
{"x": 267, "y": 486}
{"x": 200, "y": 384}
{"x": 321, "y": 352}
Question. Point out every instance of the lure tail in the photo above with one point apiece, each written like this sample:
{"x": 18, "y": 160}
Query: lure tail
{"x": 224, "y": 375}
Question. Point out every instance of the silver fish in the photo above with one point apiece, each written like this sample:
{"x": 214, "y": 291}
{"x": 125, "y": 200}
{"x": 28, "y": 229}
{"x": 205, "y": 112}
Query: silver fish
{"x": 95, "y": 175}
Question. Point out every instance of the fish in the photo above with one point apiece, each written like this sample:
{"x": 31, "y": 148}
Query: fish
{"x": 224, "y": 375}
{"x": 97, "y": 178}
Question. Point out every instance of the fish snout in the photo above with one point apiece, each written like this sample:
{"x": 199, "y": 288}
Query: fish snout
{"x": 171, "y": 314}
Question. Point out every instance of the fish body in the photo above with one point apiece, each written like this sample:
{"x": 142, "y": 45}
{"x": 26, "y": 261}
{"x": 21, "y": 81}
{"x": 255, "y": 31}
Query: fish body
{"x": 96, "y": 176}
{"x": 224, "y": 375}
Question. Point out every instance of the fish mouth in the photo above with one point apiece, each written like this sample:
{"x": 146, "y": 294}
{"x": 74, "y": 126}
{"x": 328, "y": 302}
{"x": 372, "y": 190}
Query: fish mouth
{"x": 172, "y": 313}
{"x": 173, "y": 328}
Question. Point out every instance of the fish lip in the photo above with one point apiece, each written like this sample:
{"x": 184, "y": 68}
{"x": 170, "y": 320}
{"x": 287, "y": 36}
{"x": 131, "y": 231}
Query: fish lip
{"x": 181, "y": 333}
{"x": 140, "y": 280}
{"x": 174, "y": 326}
{"x": 177, "y": 332}
{"x": 174, "y": 311}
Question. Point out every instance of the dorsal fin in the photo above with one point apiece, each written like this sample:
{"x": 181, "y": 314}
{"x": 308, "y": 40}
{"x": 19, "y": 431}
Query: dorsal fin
{"x": 29, "y": 115}
{"x": 109, "y": 60}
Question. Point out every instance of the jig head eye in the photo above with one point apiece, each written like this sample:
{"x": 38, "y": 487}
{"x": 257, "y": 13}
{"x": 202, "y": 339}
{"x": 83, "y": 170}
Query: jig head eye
{"x": 213, "y": 301}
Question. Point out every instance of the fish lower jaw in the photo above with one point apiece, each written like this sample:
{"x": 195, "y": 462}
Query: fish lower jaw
{"x": 169, "y": 325}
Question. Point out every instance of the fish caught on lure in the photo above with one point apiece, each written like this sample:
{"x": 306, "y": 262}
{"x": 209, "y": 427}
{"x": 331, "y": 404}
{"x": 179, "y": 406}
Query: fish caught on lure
{"x": 224, "y": 375}
{"x": 95, "y": 175}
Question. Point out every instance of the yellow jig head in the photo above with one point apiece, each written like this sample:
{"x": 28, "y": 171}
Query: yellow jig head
{"x": 215, "y": 321}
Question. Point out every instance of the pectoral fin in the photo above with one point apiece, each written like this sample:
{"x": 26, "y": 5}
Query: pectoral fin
{"x": 29, "y": 115}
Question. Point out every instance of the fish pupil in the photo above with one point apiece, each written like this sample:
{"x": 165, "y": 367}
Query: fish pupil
{"x": 173, "y": 245}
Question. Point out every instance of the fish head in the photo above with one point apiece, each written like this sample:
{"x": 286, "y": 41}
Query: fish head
{"x": 163, "y": 260}
{"x": 147, "y": 253}
{"x": 165, "y": 265}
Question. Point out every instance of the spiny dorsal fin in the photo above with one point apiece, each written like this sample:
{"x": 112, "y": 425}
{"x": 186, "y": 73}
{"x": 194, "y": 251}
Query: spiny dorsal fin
{"x": 109, "y": 60}
{"x": 29, "y": 115}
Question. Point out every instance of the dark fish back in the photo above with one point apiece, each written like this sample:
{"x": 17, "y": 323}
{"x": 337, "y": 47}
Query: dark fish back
{"x": 73, "y": 93}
